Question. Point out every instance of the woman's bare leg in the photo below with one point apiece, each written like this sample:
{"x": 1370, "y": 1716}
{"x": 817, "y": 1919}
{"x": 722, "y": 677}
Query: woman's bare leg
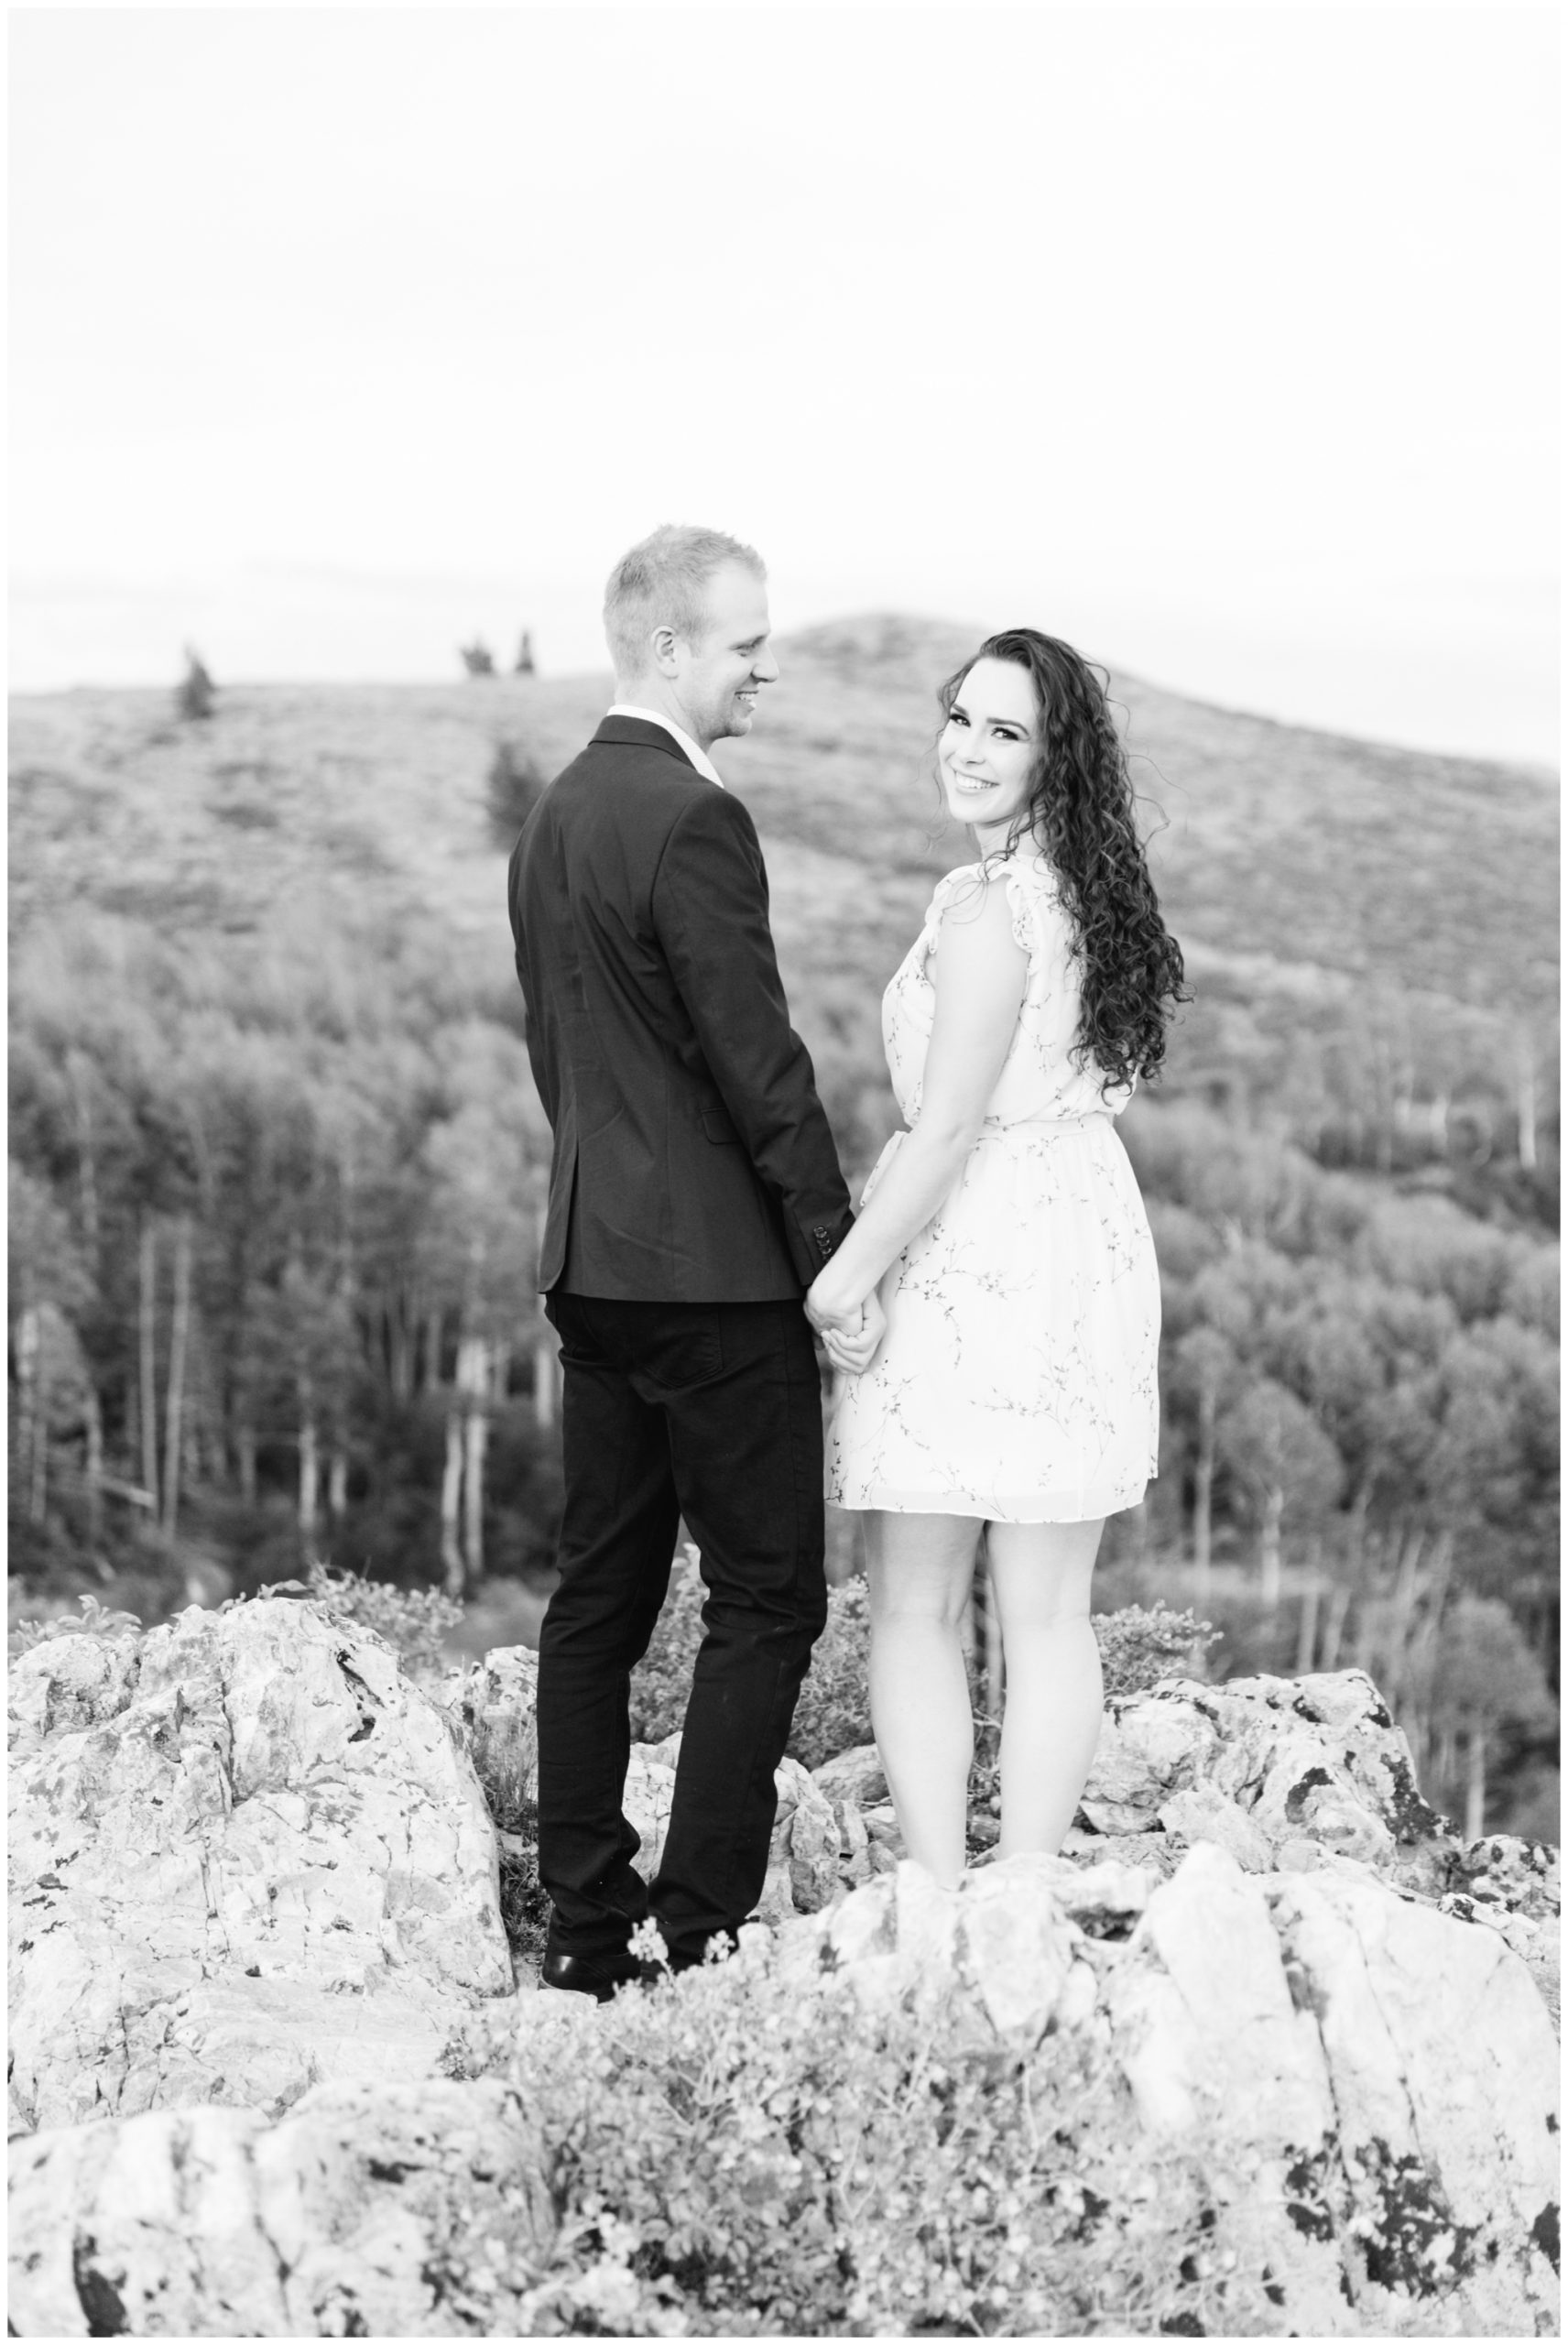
{"x": 918, "y": 1566}
{"x": 1051, "y": 1723}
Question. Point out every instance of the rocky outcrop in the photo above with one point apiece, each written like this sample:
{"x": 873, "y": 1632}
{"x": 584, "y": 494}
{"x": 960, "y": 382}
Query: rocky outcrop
{"x": 247, "y": 1855}
{"x": 1384, "y": 2074}
{"x": 385, "y": 2209}
{"x": 1287, "y": 1774}
{"x": 253, "y": 1867}
{"x": 1374, "y": 2078}
{"x": 1309, "y": 1775}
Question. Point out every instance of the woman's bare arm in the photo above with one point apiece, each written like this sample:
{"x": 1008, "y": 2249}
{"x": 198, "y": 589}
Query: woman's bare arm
{"x": 979, "y": 973}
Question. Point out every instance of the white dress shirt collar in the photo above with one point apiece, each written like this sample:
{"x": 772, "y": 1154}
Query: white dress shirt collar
{"x": 699, "y": 758}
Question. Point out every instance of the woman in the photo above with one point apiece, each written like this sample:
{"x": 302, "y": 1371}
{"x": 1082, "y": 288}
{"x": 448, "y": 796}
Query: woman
{"x": 1014, "y": 1392}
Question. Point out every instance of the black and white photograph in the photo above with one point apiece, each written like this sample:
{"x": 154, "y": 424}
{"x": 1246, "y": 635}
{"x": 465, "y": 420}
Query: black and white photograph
{"x": 783, "y": 1276}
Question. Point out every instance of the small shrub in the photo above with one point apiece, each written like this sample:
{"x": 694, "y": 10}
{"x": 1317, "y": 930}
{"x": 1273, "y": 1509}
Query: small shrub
{"x": 1140, "y": 1647}
{"x": 525, "y": 1905}
{"x": 196, "y": 693}
{"x": 831, "y": 1714}
{"x": 96, "y": 1620}
{"x": 412, "y": 1620}
{"x": 513, "y": 787}
{"x": 503, "y": 1746}
{"x": 731, "y": 2159}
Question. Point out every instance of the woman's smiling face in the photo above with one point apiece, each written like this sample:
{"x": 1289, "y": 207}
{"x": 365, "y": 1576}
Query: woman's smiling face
{"x": 988, "y": 748}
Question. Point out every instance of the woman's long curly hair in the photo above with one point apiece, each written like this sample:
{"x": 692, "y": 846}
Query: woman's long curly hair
{"x": 1081, "y": 809}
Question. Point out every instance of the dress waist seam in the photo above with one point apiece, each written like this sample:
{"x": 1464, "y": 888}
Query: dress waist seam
{"x": 994, "y": 1127}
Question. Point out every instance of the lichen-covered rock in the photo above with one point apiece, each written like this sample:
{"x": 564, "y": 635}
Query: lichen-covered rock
{"x": 854, "y": 1864}
{"x": 250, "y": 1856}
{"x": 69, "y": 1685}
{"x": 1200, "y": 2013}
{"x": 388, "y": 2209}
{"x": 1001, "y": 1954}
{"x": 1309, "y": 1775}
{"x": 1385, "y": 2074}
{"x": 1148, "y": 1749}
{"x": 1315, "y": 1757}
{"x": 1537, "y": 1939}
{"x": 1202, "y": 1813}
{"x": 1444, "y": 2074}
{"x": 257, "y": 1862}
{"x": 814, "y": 1840}
{"x": 495, "y": 1706}
{"x": 1521, "y": 1876}
{"x": 1106, "y": 1898}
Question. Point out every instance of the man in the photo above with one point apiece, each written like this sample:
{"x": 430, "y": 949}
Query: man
{"x": 694, "y": 1195}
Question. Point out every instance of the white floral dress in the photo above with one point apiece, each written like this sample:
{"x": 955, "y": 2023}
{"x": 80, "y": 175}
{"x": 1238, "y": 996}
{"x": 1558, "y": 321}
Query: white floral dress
{"x": 1018, "y": 1379}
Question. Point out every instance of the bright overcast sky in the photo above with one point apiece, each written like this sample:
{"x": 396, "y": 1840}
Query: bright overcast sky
{"x": 1221, "y": 340}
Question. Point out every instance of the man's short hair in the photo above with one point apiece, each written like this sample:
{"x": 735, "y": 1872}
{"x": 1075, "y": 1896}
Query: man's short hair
{"x": 663, "y": 583}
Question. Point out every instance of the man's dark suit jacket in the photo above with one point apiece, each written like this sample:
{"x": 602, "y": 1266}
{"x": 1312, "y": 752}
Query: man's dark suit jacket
{"x": 692, "y": 1160}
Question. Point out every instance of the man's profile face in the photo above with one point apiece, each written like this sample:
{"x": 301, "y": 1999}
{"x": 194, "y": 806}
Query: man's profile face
{"x": 718, "y": 676}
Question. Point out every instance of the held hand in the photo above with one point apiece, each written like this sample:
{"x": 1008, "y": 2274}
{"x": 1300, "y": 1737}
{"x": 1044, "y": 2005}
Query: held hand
{"x": 851, "y": 1349}
{"x": 824, "y": 1311}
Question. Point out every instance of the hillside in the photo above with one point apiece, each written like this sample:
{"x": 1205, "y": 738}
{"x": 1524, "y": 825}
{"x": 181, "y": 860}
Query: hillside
{"x": 1272, "y": 844}
{"x": 1328, "y": 892}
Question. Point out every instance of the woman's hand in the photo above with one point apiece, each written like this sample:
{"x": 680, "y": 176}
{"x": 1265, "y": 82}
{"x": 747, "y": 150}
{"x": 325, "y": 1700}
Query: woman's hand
{"x": 849, "y": 1333}
{"x": 980, "y": 976}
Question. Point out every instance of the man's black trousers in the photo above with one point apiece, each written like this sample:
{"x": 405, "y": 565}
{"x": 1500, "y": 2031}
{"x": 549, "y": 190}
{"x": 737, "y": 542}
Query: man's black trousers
{"x": 710, "y": 1412}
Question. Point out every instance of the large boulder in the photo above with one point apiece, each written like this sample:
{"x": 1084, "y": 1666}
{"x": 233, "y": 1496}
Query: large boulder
{"x": 385, "y": 2209}
{"x": 1444, "y": 2074}
{"x": 1309, "y": 1775}
{"x": 1385, "y": 2074}
{"x": 247, "y": 1855}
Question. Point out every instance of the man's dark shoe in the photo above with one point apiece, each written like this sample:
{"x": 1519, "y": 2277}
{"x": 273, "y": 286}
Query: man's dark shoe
{"x": 599, "y": 1975}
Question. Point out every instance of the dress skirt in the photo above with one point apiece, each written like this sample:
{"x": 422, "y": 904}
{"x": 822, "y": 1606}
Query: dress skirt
{"x": 1017, "y": 1380}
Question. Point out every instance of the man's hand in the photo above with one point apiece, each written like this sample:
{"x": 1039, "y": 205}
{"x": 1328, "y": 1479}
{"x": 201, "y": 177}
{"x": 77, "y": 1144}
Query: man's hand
{"x": 852, "y": 1343}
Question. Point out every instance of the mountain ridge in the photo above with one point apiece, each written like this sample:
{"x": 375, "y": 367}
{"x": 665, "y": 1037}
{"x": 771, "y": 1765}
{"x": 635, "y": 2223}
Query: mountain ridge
{"x": 829, "y": 639}
{"x": 1291, "y": 859}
